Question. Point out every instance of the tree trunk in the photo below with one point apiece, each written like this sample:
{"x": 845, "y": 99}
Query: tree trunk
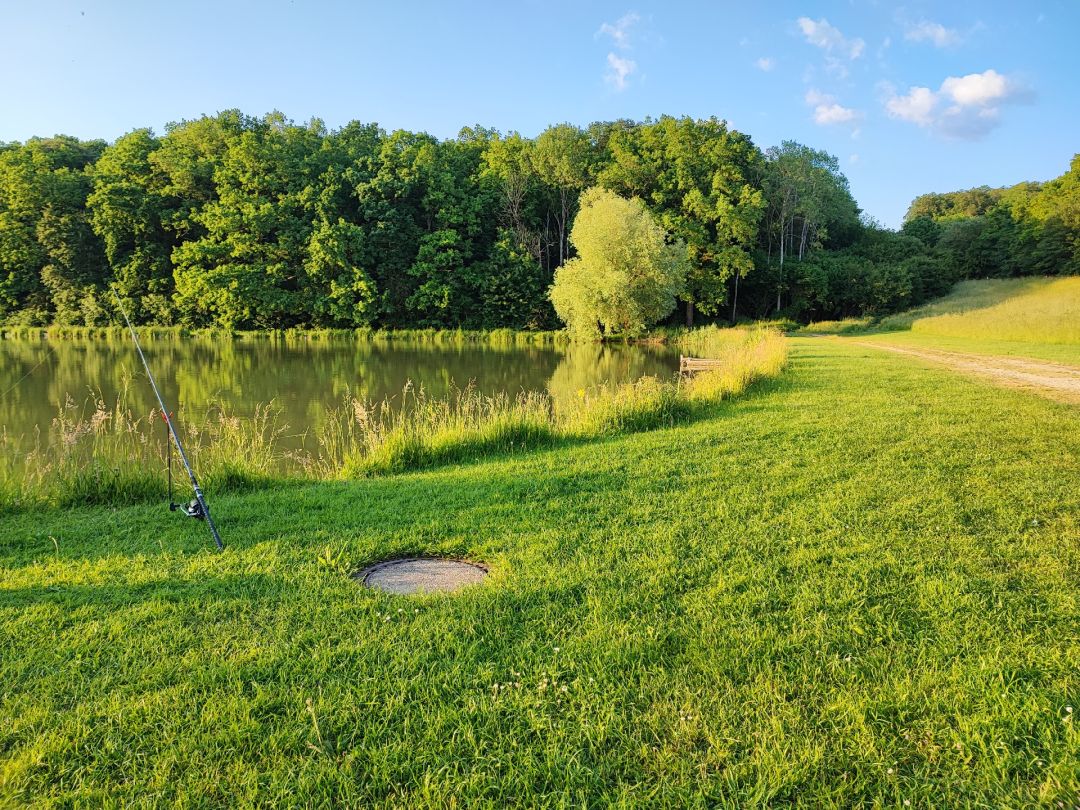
{"x": 780, "y": 279}
{"x": 564, "y": 200}
{"x": 735, "y": 299}
{"x": 689, "y": 313}
{"x": 547, "y": 243}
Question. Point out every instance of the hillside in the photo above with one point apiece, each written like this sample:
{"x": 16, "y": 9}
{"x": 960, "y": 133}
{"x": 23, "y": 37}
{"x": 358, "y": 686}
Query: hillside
{"x": 1028, "y": 310}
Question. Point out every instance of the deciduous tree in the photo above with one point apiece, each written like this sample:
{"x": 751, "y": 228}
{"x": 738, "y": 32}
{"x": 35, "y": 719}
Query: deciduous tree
{"x": 626, "y": 275}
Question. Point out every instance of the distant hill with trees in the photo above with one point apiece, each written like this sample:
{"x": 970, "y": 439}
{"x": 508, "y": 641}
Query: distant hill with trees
{"x": 243, "y": 222}
{"x": 1028, "y": 229}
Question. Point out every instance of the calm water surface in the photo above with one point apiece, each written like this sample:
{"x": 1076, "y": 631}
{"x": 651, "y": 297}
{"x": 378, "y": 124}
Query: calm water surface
{"x": 304, "y": 379}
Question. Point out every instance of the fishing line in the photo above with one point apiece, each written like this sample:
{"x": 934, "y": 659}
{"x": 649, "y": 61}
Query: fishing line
{"x": 49, "y": 352}
{"x": 198, "y": 508}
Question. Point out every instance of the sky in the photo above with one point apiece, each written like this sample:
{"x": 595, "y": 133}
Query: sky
{"x": 911, "y": 97}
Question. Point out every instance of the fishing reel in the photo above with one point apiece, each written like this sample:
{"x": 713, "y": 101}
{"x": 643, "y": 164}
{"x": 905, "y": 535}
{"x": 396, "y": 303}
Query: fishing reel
{"x": 192, "y": 510}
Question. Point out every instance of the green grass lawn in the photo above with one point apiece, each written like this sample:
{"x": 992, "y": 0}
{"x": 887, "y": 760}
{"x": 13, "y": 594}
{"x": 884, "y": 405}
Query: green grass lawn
{"x": 860, "y": 584}
{"x": 1068, "y": 353}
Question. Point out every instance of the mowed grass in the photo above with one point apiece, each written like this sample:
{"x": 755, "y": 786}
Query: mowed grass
{"x": 858, "y": 585}
{"x": 1067, "y": 353}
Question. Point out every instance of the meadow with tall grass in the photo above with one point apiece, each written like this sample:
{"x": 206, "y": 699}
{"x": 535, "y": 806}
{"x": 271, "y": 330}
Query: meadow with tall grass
{"x": 1014, "y": 316}
{"x": 1021, "y": 310}
{"x": 104, "y": 453}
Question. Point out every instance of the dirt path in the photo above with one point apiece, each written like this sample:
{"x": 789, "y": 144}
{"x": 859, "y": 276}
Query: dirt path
{"x": 1051, "y": 380}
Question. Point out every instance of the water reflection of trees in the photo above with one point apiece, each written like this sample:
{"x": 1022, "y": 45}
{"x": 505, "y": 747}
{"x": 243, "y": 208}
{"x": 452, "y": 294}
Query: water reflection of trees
{"x": 305, "y": 379}
{"x": 589, "y": 364}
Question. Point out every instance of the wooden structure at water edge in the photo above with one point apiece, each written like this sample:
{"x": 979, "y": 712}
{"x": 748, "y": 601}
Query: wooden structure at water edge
{"x": 690, "y": 365}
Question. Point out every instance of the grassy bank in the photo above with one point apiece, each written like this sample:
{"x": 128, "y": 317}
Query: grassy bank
{"x": 1035, "y": 310}
{"x": 845, "y": 326}
{"x": 104, "y": 453}
{"x": 855, "y": 586}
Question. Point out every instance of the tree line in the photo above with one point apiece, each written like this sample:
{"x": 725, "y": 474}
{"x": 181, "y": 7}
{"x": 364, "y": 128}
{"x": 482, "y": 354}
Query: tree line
{"x": 243, "y": 222}
{"x": 1028, "y": 229}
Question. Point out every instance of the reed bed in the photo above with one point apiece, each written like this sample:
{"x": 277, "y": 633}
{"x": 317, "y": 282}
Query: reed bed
{"x": 361, "y": 440}
{"x": 109, "y": 454}
{"x": 100, "y": 454}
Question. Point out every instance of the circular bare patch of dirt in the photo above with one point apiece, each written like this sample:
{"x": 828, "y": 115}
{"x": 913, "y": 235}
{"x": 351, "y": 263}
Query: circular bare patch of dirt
{"x": 421, "y": 575}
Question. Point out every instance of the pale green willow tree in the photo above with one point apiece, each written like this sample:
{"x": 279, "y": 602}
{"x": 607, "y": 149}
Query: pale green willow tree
{"x": 626, "y": 275}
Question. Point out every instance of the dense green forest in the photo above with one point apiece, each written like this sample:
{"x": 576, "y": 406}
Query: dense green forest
{"x": 243, "y": 222}
{"x": 1028, "y": 229}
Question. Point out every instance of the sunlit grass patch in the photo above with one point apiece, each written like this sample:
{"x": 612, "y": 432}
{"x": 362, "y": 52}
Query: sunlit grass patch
{"x": 846, "y": 326}
{"x": 1045, "y": 312}
{"x": 1037, "y": 310}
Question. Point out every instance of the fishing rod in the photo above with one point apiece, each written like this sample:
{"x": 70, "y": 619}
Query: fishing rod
{"x": 198, "y": 508}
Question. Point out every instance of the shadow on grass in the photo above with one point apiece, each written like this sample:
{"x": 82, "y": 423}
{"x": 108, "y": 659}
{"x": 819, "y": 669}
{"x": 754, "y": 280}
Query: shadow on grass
{"x": 438, "y": 513}
{"x": 247, "y": 588}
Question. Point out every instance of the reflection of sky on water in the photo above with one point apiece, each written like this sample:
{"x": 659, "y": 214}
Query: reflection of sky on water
{"x": 304, "y": 379}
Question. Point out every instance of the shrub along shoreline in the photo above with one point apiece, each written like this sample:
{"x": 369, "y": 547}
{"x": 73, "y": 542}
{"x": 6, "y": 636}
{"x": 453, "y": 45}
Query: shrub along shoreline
{"x": 108, "y": 456}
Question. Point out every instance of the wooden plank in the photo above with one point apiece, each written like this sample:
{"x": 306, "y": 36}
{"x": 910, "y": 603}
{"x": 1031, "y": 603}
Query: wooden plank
{"x": 687, "y": 364}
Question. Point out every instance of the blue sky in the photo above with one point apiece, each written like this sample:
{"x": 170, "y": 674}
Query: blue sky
{"x": 911, "y": 97}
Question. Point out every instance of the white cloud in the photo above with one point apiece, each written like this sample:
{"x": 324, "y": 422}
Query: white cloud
{"x": 766, "y": 63}
{"x": 967, "y": 123}
{"x": 619, "y": 71}
{"x": 828, "y": 111}
{"x": 825, "y": 114}
{"x": 965, "y": 107}
{"x": 853, "y": 159}
{"x": 836, "y": 67}
{"x": 829, "y": 38}
{"x": 620, "y": 30}
{"x": 917, "y": 106}
{"x": 620, "y": 68}
{"x": 983, "y": 88}
{"x": 938, "y": 34}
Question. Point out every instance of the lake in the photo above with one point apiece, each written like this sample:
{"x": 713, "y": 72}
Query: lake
{"x": 304, "y": 378}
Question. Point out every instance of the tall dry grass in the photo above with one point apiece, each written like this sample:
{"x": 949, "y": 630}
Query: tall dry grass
{"x": 1023, "y": 310}
{"x": 98, "y": 453}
